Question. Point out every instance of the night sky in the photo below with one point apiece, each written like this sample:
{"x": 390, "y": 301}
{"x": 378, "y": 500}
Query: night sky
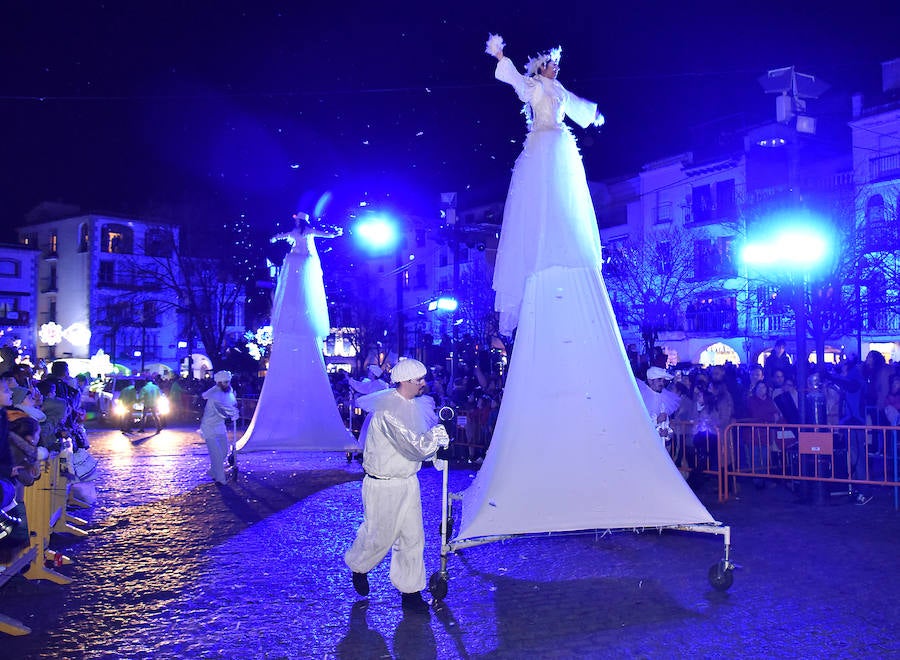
{"x": 260, "y": 108}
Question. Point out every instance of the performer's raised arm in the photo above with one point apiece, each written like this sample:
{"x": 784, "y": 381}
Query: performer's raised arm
{"x": 323, "y": 233}
{"x": 506, "y": 70}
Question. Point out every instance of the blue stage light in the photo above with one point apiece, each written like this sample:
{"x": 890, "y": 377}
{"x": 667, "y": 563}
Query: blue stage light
{"x": 447, "y": 304}
{"x": 795, "y": 247}
{"x": 376, "y": 232}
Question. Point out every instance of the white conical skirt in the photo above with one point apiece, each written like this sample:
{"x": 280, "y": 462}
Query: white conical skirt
{"x": 573, "y": 448}
{"x": 299, "y": 306}
{"x": 548, "y": 219}
{"x": 296, "y": 409}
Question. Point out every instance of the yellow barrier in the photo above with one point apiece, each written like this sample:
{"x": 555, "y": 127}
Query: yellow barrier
{"x": 45, "y": 510}
{"x": 22, "y": 559}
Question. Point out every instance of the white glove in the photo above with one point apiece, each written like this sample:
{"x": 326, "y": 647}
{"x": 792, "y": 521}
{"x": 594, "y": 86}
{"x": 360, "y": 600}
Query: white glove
{"x": 439, "y": 433}
{"x": 439, "y": 464}
{"x": 599, "y": 120}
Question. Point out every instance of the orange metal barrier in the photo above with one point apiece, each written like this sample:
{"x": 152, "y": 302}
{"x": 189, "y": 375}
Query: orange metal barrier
{"x": 843, "y": 455}
{"x": 837, "y": 454}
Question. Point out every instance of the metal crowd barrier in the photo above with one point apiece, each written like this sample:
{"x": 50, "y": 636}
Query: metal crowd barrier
{"x": 843, "y": 456}
{"x": 45, "y": 510}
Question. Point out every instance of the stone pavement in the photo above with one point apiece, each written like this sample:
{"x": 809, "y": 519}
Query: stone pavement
{"x": 178, "y": 567}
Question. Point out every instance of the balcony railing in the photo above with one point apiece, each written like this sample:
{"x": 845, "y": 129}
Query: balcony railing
{"x": 774, "y": 323}
{"x": 882, "y": 318}
{"x": 15, "y": 317}
{"x": 883, "y": 167}
{"x": 712, "y": 320}
{"x": 128, "y": 283}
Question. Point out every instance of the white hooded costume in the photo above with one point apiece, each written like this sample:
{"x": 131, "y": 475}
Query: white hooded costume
{"x": 665, "y": 402}
{"x": 400, "y": 433}
{"x": 220, "y": 405}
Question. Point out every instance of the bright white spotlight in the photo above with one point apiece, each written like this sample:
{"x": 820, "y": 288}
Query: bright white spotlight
{"x": 447, "y": 304}
{"x": 377, "y": 232}
{"x": 794, "y": 248}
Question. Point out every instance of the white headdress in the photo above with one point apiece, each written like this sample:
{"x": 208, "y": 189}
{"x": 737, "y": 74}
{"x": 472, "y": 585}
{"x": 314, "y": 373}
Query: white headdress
{"x": 535, "y": 63}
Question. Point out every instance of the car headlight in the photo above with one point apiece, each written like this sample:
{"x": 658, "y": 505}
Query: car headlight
{"x": 118, "y": 408}
{"x": 162, "y": 406}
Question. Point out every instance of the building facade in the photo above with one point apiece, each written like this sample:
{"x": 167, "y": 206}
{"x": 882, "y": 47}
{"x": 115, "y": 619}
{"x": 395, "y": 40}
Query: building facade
{"x": 92, "y": 285}
{"x": 18, "y": 297}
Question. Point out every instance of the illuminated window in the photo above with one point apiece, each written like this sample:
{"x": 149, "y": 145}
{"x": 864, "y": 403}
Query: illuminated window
{"x": 83, "y": 237}
{"x": 53, "y": 242}
{"x": 117, "y": 239}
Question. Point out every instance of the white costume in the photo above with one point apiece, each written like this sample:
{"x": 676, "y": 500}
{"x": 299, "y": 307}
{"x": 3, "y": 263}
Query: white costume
{"x": 220, "y": 405}
{"x": 400, "y": 433}
{"x": 296, "y": 410}
{"x": 569, "y": 390}
{"x": 659, "y": 402}
{"x": 300, "y": 306}
{"x": 549, "y": 218}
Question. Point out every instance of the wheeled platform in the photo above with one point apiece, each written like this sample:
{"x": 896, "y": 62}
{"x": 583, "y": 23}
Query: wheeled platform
{"x": 720, "y": 575}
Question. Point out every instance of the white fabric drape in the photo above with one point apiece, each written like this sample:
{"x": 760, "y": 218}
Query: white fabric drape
{"x": 573, "y": 447}
{"x": 296, "y": 410}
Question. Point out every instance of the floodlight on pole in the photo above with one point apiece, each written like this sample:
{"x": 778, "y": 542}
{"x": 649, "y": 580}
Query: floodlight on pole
{"x": 447, "y": 304}
{"x": 377, "y": 232}
{"x": 795, "y": 250}
{"x": 797, "y": 246}
{"x": 380, "y": 235}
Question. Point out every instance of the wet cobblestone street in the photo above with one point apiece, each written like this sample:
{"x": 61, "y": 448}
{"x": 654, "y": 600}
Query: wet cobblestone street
{"x": 176, "y": 566}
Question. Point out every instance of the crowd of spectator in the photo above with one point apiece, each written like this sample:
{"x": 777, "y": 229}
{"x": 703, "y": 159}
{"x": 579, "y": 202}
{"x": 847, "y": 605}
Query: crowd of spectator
{"x": 41, "y": 413}
{"x": 850, "y": 392}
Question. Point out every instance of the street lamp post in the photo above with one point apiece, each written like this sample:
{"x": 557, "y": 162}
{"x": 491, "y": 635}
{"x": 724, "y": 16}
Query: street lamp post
{"x": 795, "y": 250}
{"x": 378, "y": 235}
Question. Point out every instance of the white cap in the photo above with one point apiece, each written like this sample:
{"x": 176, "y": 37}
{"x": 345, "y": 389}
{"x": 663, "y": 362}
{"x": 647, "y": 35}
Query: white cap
{"x": 407, "y": 369}
{"x": 655, "y": 372}
{"x": 222, "y": 376}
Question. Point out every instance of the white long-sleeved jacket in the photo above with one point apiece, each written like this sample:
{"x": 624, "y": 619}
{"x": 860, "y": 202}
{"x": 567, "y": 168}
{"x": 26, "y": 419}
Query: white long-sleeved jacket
{"x": 219, "y": 407}
{"x": 550, "y": 102}
{"x": 400, "y": 434}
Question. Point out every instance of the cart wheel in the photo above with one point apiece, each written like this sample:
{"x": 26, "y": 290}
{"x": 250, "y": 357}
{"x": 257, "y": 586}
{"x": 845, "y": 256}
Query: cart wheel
{"x": 720, "y": 576}
{"x": 437, "y": 585}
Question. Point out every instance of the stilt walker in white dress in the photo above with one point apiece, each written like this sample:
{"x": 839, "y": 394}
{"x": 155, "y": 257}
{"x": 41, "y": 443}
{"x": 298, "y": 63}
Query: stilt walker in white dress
{"x": 573, "y": 447}
{"x": 296, "y": 409}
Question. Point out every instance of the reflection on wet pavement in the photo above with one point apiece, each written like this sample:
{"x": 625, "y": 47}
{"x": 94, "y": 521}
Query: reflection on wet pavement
{"x": 179, "y": 567}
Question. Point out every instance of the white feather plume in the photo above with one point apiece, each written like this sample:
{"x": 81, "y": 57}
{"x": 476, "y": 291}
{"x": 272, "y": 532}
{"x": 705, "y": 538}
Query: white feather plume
{"x": 494, "y": 45}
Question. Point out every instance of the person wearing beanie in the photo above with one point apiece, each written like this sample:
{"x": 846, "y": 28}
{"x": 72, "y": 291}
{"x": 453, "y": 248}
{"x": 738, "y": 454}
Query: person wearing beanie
{"x": 23, "y": 400}
{"x": 221, "y": 405}
{"x": 401, "y": 431}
